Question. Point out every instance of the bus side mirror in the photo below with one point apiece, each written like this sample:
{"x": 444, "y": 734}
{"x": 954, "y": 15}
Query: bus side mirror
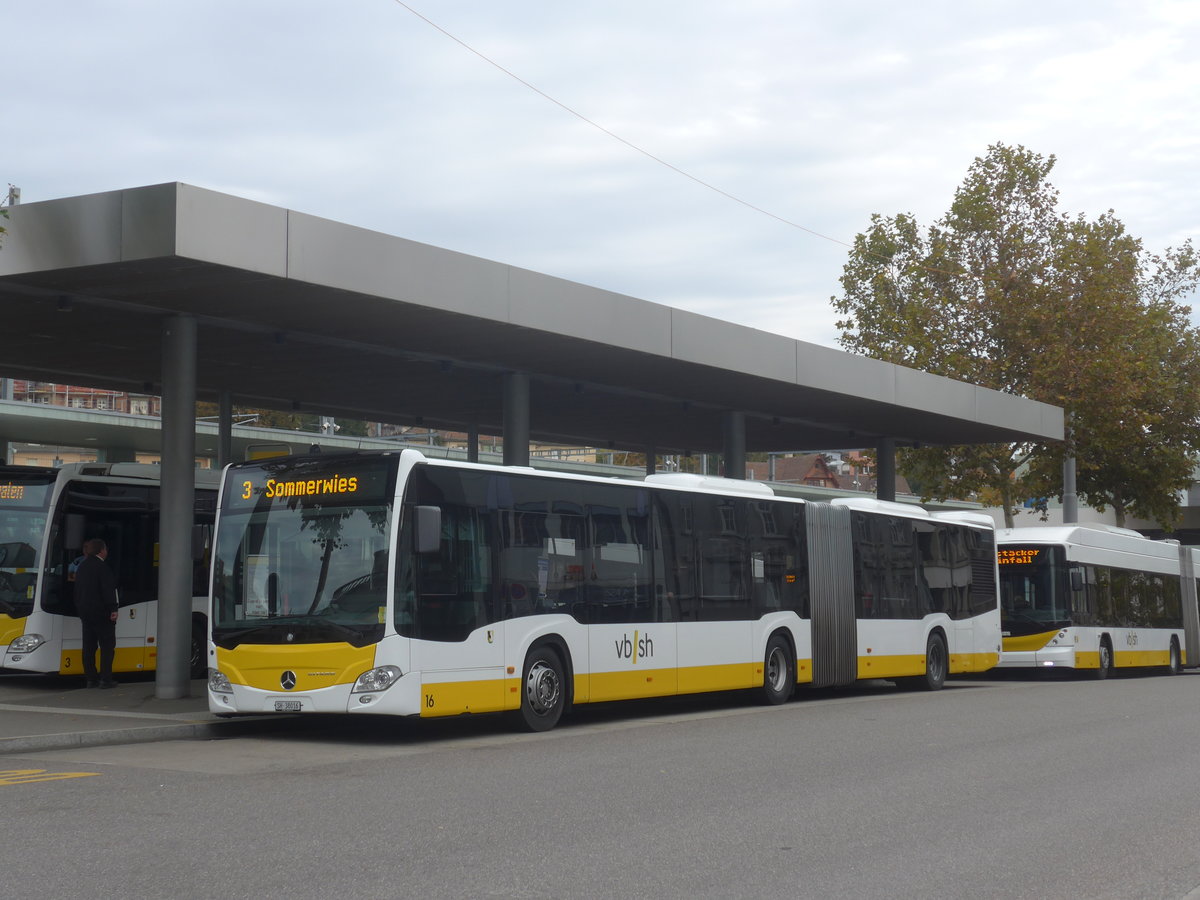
{"x": 427, "y": 528}
{"x": 1076, "y": 580}
{"x": 73, "y": 527}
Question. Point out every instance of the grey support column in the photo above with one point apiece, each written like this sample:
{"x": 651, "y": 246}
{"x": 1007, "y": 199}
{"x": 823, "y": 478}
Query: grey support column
{"x": 224, "y": 429}
{"x": 516, "y": 419}
{"x": 651, "y": 459}
{"x": 885, "y": 469}
{"x": 734, "y": 427}
{"x": 178, "y": 499}
{"x": 473, "y": 443}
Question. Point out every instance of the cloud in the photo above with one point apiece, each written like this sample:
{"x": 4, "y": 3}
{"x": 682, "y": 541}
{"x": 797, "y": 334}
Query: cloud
{"x": 822, "y": 116}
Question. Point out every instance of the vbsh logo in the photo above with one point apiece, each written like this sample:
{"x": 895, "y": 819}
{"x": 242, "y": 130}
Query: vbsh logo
{"x": 638, "y": 648}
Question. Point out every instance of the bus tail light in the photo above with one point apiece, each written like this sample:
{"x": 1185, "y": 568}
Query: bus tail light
{"x": 379, "y": 679}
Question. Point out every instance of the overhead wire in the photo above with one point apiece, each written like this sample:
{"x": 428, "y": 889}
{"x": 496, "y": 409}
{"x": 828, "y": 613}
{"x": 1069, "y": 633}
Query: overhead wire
{"x": 632, "y": 146}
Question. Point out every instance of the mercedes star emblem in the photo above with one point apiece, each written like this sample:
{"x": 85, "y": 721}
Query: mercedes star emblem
{"x": 288, "y": 680}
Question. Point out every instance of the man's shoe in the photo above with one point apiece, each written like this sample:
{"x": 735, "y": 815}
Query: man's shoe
{"x": 108, "y": 684}
{"x": 92, "y": 683}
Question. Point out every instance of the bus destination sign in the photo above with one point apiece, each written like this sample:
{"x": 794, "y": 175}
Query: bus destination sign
{"x": 1017, "y": 556}
{"x": 307, "y": 483}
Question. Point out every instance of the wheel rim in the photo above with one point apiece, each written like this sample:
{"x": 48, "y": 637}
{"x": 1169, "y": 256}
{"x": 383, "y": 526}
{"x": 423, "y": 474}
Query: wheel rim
{"x": 1105, "y": 657}
{"x": 542, "y": 689}
{"x": 937, "y": 661}
{"x": 776, "y": 669}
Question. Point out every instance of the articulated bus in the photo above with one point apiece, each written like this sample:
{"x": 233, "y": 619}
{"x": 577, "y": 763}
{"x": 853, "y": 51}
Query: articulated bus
{"x": 1094, "y": 598}
{"x": 45, "y": 516}
{"x": 390, "y": 583}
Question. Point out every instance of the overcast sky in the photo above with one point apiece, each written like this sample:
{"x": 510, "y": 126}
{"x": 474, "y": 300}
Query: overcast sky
{"x": 818, "y": 113}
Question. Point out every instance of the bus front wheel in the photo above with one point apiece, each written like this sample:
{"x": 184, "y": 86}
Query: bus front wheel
{"x": 779, "y": 671}
{"x": 543, "y": 690}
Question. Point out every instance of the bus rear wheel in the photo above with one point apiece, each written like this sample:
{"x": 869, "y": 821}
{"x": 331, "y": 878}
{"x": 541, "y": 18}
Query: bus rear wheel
{"x": 779, "y": 671}
{"x": 937, "y": 666}
{"x": 1106, "y": 660}
{"x": 1175, "y": 662}
{"x": 543, "y": 693}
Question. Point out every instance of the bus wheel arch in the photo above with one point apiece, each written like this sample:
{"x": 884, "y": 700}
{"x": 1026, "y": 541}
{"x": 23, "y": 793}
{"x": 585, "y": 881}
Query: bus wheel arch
{"x": 779, "y": 668}
{"x": 545, "y": 685}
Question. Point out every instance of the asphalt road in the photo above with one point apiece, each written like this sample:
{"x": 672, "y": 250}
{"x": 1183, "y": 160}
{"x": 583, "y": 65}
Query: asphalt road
{"x": 991, "y": 788}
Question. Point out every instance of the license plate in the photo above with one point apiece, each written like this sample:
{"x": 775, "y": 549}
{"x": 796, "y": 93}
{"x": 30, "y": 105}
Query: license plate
{"x": 288, "y": 706}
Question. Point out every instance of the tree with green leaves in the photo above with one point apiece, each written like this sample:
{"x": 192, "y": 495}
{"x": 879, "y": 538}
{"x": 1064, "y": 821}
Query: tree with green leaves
{"x": 1006, "y": 292}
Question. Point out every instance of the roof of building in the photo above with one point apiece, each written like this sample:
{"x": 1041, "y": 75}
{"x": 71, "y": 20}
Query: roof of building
{"x": 299, "y": 312}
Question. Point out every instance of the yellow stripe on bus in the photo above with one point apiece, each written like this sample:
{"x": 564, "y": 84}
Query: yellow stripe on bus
{"x": 1128, "y": 659}
{"x": 125, "y": 659}
{"x": 491, "y": 695}
{"x": 891, "y": 666}
{"x": 1027, "y": 642}
{"x": 452, "y": 698}
{"x": 10, "y": 629}
{"x": 315, "y": 666}
{"x": 1131, "y": 658}
{"x": 973, "y": 662}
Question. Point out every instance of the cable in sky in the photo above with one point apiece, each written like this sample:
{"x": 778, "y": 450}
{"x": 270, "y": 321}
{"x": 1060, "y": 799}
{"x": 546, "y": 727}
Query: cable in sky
{"x": 613, "y": 135}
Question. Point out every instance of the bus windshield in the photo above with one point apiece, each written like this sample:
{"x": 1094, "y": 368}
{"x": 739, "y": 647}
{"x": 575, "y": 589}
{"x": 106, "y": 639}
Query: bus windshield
{"x": 302, "y": 552}
{"x": 1034, "y": 594}
{"x": 24, "y": 501}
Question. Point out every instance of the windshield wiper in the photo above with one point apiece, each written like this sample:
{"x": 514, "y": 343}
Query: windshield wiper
{"x": 307, "y": 630}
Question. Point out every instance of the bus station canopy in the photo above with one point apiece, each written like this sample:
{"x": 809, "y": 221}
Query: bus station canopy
{"x": 297, "y": 312}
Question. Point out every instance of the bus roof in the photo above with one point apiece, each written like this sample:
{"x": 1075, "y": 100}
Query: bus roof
{"x": 1090, "y": 542}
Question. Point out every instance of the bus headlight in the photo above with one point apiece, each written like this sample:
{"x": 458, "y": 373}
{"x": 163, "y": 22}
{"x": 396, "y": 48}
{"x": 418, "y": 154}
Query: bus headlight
{"x": 26, "y": 643}
{"x": 379, "y": 679}
{"x": 218, "y": 683}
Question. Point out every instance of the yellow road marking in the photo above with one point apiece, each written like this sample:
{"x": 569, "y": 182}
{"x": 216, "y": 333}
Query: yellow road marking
{"x": 27, "y": 776}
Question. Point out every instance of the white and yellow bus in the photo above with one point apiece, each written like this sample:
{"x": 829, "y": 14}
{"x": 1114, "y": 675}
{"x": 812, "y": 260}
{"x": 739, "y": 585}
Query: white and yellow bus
{"x": 391, "y": 583}
{"x": 1093, "y": 598}
{"x": 45, "y": 516}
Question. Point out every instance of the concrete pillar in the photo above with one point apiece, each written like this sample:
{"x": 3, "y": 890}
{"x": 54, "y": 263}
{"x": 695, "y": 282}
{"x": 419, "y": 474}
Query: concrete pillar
{"x": 733, "y": 426}
{"x": 473, "y": 443}
{"x": 885, "y": 469}
{"x": 651, "y": 459}
{"x": 178, "y": 499}
{"x": 516, "y": 419}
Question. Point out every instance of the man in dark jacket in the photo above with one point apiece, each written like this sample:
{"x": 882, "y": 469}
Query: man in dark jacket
{"x": 96, "y": 605}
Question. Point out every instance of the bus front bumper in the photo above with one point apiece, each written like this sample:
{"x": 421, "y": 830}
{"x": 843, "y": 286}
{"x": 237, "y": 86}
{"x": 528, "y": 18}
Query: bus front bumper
{"x": 1045, "y": 658}
{"x": 401, "y": 699}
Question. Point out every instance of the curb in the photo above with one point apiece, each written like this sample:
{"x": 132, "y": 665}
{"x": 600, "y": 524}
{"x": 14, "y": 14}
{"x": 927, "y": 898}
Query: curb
{"x": 194, "y": 731}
